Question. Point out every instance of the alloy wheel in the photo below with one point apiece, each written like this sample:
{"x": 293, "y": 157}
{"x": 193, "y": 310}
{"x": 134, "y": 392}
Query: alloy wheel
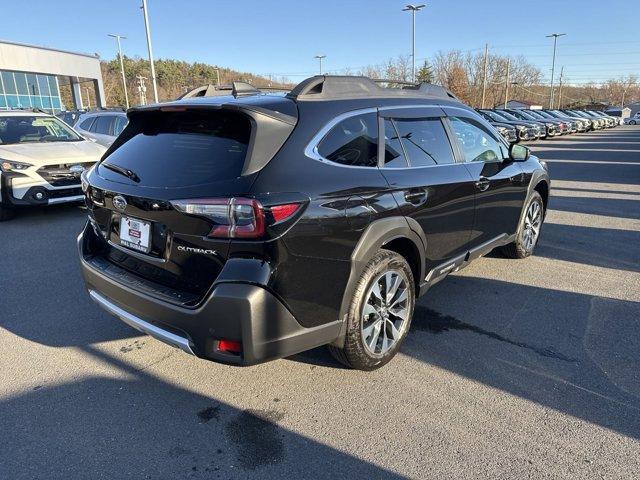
{"x": 532, "y": 224}
{"x": 385, "y": 314}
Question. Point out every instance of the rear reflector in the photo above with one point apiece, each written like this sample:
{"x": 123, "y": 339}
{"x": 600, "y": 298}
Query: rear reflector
{"x": 282, "y": 212}
{"x": 229, "y": 346}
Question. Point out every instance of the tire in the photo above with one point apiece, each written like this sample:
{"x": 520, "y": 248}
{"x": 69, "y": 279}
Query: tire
{"x": 365, "y": 347}
{"x": 632, "y": 122}
{"x": 6, "y": 213}
{"x": 524, "y": 244}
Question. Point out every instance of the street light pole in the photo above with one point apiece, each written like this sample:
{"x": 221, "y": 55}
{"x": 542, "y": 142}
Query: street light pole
{"x": 553, "y": 63}
{"x": 320, "y": 57}
{"x": 413, "y": 9}
{"x": 153, "y": 68}
{"x": 124, "y": 79}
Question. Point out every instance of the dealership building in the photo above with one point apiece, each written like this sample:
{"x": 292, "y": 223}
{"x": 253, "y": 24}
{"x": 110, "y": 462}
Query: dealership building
{"x": 34, "y": 77}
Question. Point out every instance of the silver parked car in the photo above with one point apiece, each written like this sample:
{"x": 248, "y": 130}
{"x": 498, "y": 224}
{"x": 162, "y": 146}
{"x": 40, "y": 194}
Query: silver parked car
{"x": 102, "y": 126}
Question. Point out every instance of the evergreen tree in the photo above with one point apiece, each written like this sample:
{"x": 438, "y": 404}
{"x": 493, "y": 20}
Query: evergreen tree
{"x": 425, "y": 74}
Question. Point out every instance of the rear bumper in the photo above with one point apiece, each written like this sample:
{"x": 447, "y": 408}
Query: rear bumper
{"x": 233, "y": 310}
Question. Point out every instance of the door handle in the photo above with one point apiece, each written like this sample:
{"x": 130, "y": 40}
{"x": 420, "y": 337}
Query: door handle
{"x": 483, "y": 184}
{"x": 416, "y": 197}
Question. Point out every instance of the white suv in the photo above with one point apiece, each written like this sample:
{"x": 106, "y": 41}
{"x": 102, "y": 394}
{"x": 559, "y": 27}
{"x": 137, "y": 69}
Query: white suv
{"x": 41, "y": 160}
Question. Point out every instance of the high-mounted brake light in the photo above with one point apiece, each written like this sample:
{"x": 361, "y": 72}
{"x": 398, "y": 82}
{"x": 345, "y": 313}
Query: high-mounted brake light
{"x": 236, "y": 217}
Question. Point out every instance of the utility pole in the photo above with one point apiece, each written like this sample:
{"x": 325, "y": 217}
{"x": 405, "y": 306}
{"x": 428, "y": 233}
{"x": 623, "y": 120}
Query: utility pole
{"x": 142, "y": 89}
{"x": 413, "y": 9}
{"x": 320, "y": 57}
{"x": 560, "y": 89}
{"x": 124, "y": 79}
{"x": 506, "y": 84}
{"x": 553, "y": 63}
{"x": 153, "y": 68}
{"x": 218, "y": 77}
{"x": 484, "y": 76}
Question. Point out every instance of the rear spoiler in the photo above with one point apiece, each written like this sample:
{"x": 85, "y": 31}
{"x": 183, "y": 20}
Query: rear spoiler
{"x": 269, "y": 129}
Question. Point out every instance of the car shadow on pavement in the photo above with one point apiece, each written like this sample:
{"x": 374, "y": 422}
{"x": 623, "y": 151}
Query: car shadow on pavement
{"x": 578, "y": 354}
{"x": 97, "y": 427}
{"x": 598, "y": 247}
{"x": 610, "y": 207}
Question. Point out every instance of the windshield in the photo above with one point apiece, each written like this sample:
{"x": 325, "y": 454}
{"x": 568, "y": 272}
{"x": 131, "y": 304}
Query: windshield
{"x": 507, "y": 115}
{"x": 493, "y": 115}
{"x": 536, "y": 115}
{"x": 25, "y": 129}
{"x": 525, "y": 116}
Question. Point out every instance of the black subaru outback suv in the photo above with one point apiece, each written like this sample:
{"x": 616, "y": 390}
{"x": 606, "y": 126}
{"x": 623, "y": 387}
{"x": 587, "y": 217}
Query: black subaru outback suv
{"x": 249, "y": 227}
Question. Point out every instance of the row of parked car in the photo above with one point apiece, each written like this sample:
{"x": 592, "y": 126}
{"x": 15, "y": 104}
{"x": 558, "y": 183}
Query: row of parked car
{"x": 519, "y": 125}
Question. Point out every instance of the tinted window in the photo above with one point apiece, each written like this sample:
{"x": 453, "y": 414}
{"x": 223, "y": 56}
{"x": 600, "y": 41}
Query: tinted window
{"x": 103, "y": 125}
{"x": 477, "y": 145}
{"x": 425, "y": 141}
{"x": 86, "y": 124}
{"x": 353, "y": 141}
{"x": 393, "y": 153}
{"x": 175, "y": 149}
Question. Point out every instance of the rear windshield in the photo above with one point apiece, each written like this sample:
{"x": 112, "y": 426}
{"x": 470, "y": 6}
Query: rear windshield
{"x": 177, "y": 149}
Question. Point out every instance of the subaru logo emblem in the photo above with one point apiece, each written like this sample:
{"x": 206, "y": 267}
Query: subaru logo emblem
{"x": 119, "y": 203}
{"x": 76, "y": 168}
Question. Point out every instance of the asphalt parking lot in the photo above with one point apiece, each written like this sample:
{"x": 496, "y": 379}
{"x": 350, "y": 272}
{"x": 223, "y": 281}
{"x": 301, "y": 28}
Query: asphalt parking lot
{"x": 513, "y": 369}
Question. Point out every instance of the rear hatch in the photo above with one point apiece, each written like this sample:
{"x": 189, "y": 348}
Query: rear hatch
{"x": 165, "y": 158}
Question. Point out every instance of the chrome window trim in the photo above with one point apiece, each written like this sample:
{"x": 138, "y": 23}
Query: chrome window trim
{"x": 311, "y": 150}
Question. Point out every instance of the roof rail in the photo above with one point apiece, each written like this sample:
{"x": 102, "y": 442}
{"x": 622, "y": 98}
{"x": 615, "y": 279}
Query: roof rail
{"x": 237, "y": 89}
{"x": 335, "y": 87}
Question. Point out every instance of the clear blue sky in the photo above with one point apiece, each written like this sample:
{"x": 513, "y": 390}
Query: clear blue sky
{"x": 281, "y": 37}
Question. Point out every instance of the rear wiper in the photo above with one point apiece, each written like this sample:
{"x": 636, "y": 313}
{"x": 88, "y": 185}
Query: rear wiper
{"x": 130, "y": 174}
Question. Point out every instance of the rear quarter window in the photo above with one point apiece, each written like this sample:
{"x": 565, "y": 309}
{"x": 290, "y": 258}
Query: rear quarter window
{"x": 353, "y": 141}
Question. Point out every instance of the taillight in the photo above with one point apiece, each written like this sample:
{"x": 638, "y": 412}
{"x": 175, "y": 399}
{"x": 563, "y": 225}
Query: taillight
{"x": 236, "y": 217}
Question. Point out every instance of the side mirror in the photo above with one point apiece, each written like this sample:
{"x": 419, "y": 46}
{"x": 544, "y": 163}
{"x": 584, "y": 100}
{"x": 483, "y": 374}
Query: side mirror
{"x": 518, "y": 153}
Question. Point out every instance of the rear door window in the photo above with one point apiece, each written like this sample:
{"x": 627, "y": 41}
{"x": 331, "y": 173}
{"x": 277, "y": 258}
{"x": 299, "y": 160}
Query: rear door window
{"x": 175, "y": 149}
{"x": 353, "y": 141}
{"x": 393, "y": 152}
{"x": 103, "y": 125}
{"x": 86, "y": 124}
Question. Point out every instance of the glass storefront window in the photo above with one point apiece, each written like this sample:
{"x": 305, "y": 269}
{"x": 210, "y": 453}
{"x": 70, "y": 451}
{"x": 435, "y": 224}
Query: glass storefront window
{"x": 24, "y": 101}
{"x": 21, "y": 83}
{"x": 32, "y": 81}
{"x": 44, "y": 85}
{"x": 53, "y": 85}
{"x": 12, "y": 101}
{"x": 29, "y": 90}
{"x": 9, "y": 84}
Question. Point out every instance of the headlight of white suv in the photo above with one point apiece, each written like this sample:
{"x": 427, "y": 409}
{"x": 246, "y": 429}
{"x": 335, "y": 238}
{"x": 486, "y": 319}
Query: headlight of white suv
{"x": 7, "y": 166}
